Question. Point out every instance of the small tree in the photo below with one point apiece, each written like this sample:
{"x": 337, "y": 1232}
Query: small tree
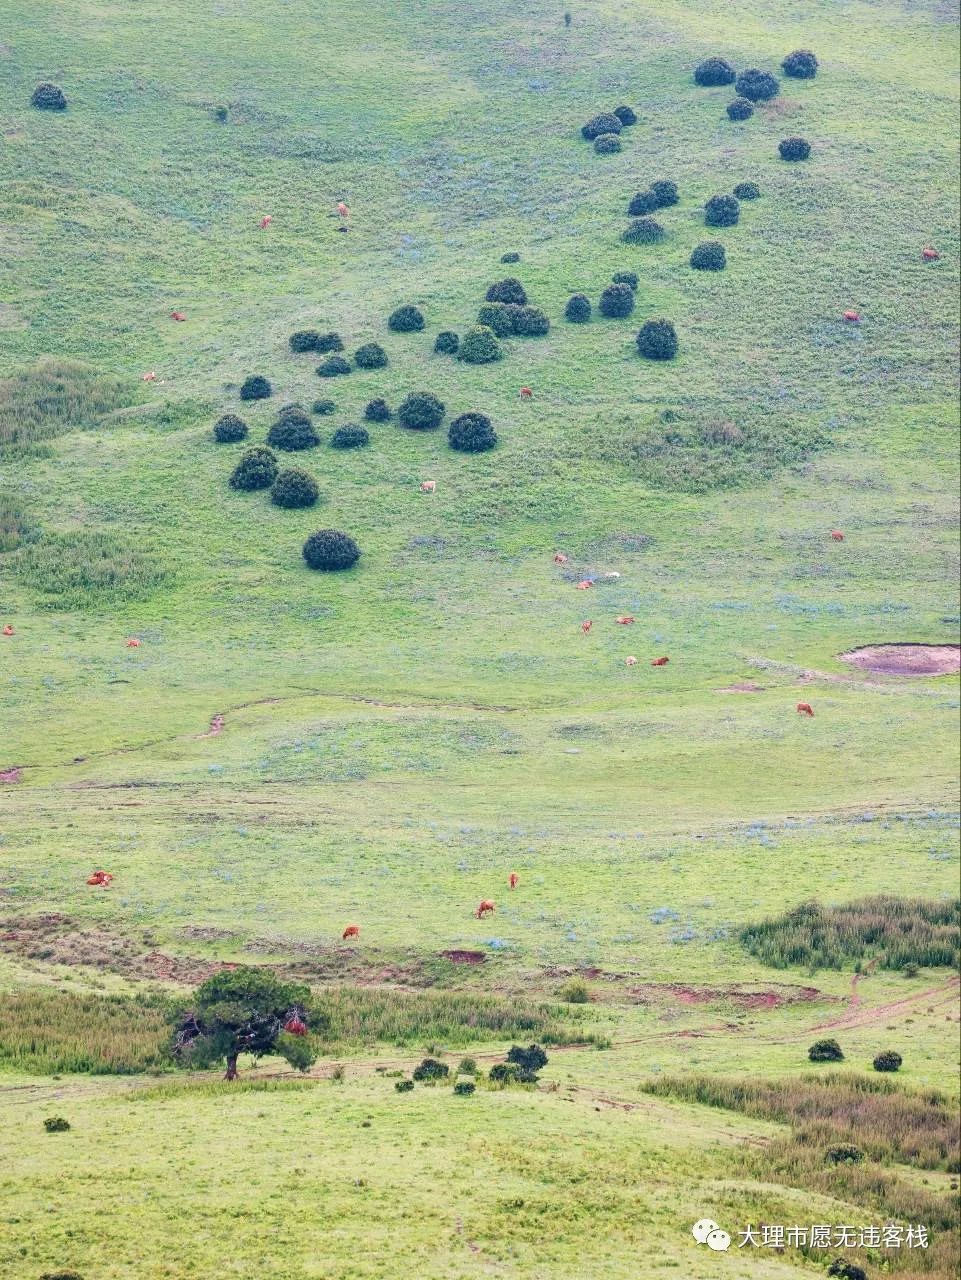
{"x": 244, "y": 1010}
{"x": 665, "y": 193}
{"x": 447, "y": 343}
{"x": 825, "y": 1051}
{"x": 480, "y": 346}
{"x": 327, "y": 342}
{"x": 294, "y": 488}
{"x": 464, "y": 1088}
{"x": 722, "y": 211}
{"x": 657, "y": 340}
{"x": 617, "y": 301}
{"x": 377, "y": 411}
{"x": 324, "y": 407}
{"x": 350, "y": 437}
{"x": 626, "y": 115}
{"x": 709, "y": 256}
{"x": 406, "y": 319}
{"x": 641, "y": 203}
{"x": 888, "y": 1060}
{"x": 331, "y": 550}
{"x": 49, "y": 97}
{"x": 497, "y": 317}
{"x": 643, "y": 231}
{"x": 304, "y": 340}
{"x": 509, "y": 289}
{"x": 841, "y": 1269}
{"x": 800, "y": 65}
{"x": 757, "y": 85}
{"x": 740, "y": 109}
{"x": 747, "y": 191}
{"x": 626, "y": 277}
{"x": 370, "y": 356}
{"x": 333, "y": 367}
{"x": 257, "y": 469}
{"x": 529, "y": 322}
{"x": 713, "y": 72}
{"x": 607, "y": 144}
{"x": 56, "y": 1124}
{"x": 472, "y": 433}
{"x": 606, "y": 122}
{"x": 256, "y": 387}
{"x": 794, "y": 148}
{"x": 578, "y": 309}
{"x": 292, "y": 432}
{"x": 431, "y": 1069}
{"x": 421, "y": 411}
{"x": 229, "y": 429}
{"x": 510, "y": 257}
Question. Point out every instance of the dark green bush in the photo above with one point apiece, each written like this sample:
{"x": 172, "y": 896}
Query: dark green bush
{"x": 641, "y": 203}
{"x": 221, "y": 114}
{"x": 794, "y": 148}
{"x": 229, "y": 429}
{"x": 370, "y": 356}
{"x": 844, "y": 1153}
{"x": 56, "y": 1124}
{"x": 497, "y": 317}
{"x": 256, "y": 387}
{"x": 421, "y": 411}
{"x": 606, "y": 122}
{"x": 800, "y": 65}
{"x": 665, "y": 193}
{"x": 825, "y": 1051}
{"x": 327, "y": 342}
{"x": 472, "y": 433}
{"x": 49, "y": 97}
{"x": 712, "y": 72}
{"x": 324, "y": 407}
{"x": 406, "y": 319}
{"x": 888, "y": 1060}
{"x": 333, "y": 367}
{"x": 607, "y": 144}
{"x": 530, "y": 1059}
{"x": 257, "y": 469}
{"x": 292, "y": 410}
{"x": 480, "y": 346}
{"x": 292, "y": 432}
{"x": 403, "y": 1086}
{"x": 377, "y": 411}
{"x": 304, "y": 340}
{"x": 294, "y": 488}
{"x": 747, "y": 191}
{"x": 722, "y": 211}
{"x": 841, "y": 1269}
{"x": 617, "y": 301}
{"x": 529, "y": 322}
{"x": 447, "y": 343}
{"x": 431, "y": 1069}
{"x": 626, "y": 115}
{"x": 508, "y": 1073}
{"x": 756, "y": 85}
{"x": 740, "y": 109}
{"x": 350, "y": 437}
{"x": 510, "y": 257}
{"x": 464, "y": 1088}
{"x": 331, "y": 550}
{"x": 578, "y": 309}
{"x": 709, "y": 256}
{"x": 509, "y": 289}
{"x": 657, "y": 340}
{"x": 626, "y": 277}
{"x": 643, "y": 231}
{"x": 61, "y": 1275}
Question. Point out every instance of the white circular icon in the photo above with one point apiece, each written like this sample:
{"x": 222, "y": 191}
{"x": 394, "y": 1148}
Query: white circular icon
{"x": 718, "y": 1240}
{"x": 701, "y": 1230}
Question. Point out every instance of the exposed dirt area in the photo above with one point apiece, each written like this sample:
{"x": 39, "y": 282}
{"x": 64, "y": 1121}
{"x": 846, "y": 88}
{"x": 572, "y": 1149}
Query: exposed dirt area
{"x": 857, "y": 1015}
{"x": 906, "y": 659}
{"x": 736, "y": 994}
{"x": 13, "y": 774}
{"x": 464, "y": 957}
{"x": 745, "y": 686}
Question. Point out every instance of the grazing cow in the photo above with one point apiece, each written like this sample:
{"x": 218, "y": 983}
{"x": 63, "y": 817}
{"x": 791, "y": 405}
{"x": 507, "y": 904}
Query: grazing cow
{"x": 486, "y": 908}
{"x": 149, "y": 377}
{"x": 8, "y": 630}
{"x": 560, "y": 558}
{"x": 513, "y": 879}
{"x": 526, "y": 393}
{"x": 134, "y": 643}
{"x": 265, "y": 221}
{"x": 930, "y": 255}
{"x": 852, "y": 317}
{"x": 585, "y": 585}
{"x": 343, "y": 211}
{"x": 101, "y": 879}
{"x": 630, "y": 662}
{"x": 295, "y": 1026}
{"x": 625, "y": 619}
{"x": 586, "y": 625}
{"x": 428, "y": 486}
{"x": 837, "y": 535}
{"x": 178, "y": 315}
{"x": 805, "y": 709}
{"x": 352, "y": 931}
{"x": 660, "y": 662}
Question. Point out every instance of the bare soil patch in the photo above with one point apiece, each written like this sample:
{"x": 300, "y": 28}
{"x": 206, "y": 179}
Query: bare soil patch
{"x": 744, "y": 686}
{"x": 464, "y": 957}
{"x": 906, "y": 659}
{"x": 736, "y": 994}
{"x": 13, "y": 774}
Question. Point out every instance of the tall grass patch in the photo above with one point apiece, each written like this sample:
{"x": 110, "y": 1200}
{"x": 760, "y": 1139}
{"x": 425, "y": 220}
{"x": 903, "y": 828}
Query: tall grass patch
{"x": 43, "y": 1031}
{"x": 16, "y": 526}
{"x": 55, "y": 396}
{"x": 89, "y": 569}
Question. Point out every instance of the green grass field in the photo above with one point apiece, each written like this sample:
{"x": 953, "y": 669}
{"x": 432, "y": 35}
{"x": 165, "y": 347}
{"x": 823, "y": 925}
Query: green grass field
{"x": 398, "y": 738}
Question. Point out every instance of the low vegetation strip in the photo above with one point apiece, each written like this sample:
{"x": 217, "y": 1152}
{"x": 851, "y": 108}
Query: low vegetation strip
{"x": 896, "y": 933}
{"x": 44, "y": 1031}
{"x": 54, "y": 396}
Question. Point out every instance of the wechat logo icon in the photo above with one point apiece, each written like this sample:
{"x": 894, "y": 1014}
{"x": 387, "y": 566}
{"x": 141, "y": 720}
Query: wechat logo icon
{"x": 708, "y": 1232}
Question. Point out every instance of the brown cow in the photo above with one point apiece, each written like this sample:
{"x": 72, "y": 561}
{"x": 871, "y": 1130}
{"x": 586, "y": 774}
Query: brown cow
{"x": 585, "y": 585}
{"x": 560, "y": 558}
{"x": 134, "y": 643}
{"x": 178, "y": 315}
{"x": 631, "y": 661}
{"x": 837, "y": 535}
{"x": 485, "y": 908}
{"x": 513, "y": 879}
{"x": 930, "y": 255}
{"x": 586, "y": 625}
{"x": 265, "y": 221}
{"x": 149, "y": 377}
{"x": 805, "y": 709}
{"x": 343, "y": 210}
{"x": 101, "y": 879}
{"x": 660, "y": 662}
{"x": 428, "y": 486}
{"x": 625, "y": 619}
{"x": 8, "y": 630}
{"x": 526, "y": 393}
{"x": 295, "y": 1026}
{"x": 352, "y": 931}
{"x": 852, "y": 317}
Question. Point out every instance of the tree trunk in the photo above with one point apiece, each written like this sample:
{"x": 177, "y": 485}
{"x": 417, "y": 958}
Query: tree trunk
{"x": 231, "y": 1067}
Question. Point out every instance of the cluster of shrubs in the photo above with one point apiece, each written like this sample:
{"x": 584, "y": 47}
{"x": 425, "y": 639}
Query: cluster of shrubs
{"x": 604, "y": 129}
{"x": 521, "y": 1067}
{"x": 831, "y": 1051}
{"x": 645, "y": 229}
{"x": 369, "y": 356}
{"x": 616, "y": 301}
{"x": 319, "y": 343}
{"x": 753, "y": 85}
{"x": 511, "y": 319}
{"x": 48, "y": 97}
{"x": 259, "y": 469}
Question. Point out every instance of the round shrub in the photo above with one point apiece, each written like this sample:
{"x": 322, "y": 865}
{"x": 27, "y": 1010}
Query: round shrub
{"x": 508, "y": 290}
{"x": 665, "y": 193}
{"x": 626, "y": 277}
{"x": 506, "y": 1073}
{"x": 657, "y": 340}
{"x": 292, "y": 432}
{"x": 825, "y": 1051}
{"x": 256, "y": 387}
{"x": 643, "y": 231}
{"x": 844, "y": 1153}
{"x": 294, "y": 488}
{"x": 56, "y": 1124}
{"x": 530, "y": 1059}
{"x": 294, "y": 410}
{"x": 606, "y": 122}
{"x": 61, "y": 1275}
{"x": 643, "y": 202}
{"x": 421, "y": 411}
{"x": 331, "y": 550}
{"x": 304, "y": 340}
{"x": 747, "y": 191}
{"x": 324, "y": 407}
{"x": 510, "y": 257}
{"x": 370, "y": 356}
{"x": 431, "y": 1069}
{"x": 467, "y": 1067}
{"x": 229, "y": 429}
{"x": 49, "y": 97}
{"x": 464, "y": 1088}
{"x": 794, "y": 148}
{"x": 709, "y": 256}
{"x": 350, "y": 437}
{"x": 472, "y": 433}
{"x": 626, "y": 115}
{"x": 333, "y": 367}
{"x": 327, "y": 342}
{"x": 407, "y": 319}
{"x": 607, "y": 144}
{"x": 480, "y": 346}
{"x": 578, "y": 309}
{"x": 575, "y": 991}
{"x": 617, "y": 301}
{"x": 800, "y": 65}
{"x": 377, "y": 411}
{"x": 403, "y": 1086}
{"x": 257, "y": 469}
{"x": 447, "y": 343}
{"x": 888, "y": 1060}
{"x": 722, "y": 211}
{"x": 530, "y": 322}
{"x": 841, "y": 1269}
{"x": 495, "y": 316}
{"x": 740, "y": 109}
{"x": 757, "y": 85}
{"x": 712, "y": 72}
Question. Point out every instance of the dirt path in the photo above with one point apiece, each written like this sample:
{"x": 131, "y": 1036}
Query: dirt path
{"x": 857, "y": 1015}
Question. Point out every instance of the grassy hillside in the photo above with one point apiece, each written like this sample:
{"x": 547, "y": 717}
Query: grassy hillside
{"x": 398, "y": 738}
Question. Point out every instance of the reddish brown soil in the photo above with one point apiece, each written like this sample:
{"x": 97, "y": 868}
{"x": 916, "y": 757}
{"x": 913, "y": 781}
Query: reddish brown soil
{"x": 906, "y": 659}
{"x": 13, "y": 774}
{"x": 734, "y": 994}
{"x": 745, "y": 686}
{"x": 464, "y": 957}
